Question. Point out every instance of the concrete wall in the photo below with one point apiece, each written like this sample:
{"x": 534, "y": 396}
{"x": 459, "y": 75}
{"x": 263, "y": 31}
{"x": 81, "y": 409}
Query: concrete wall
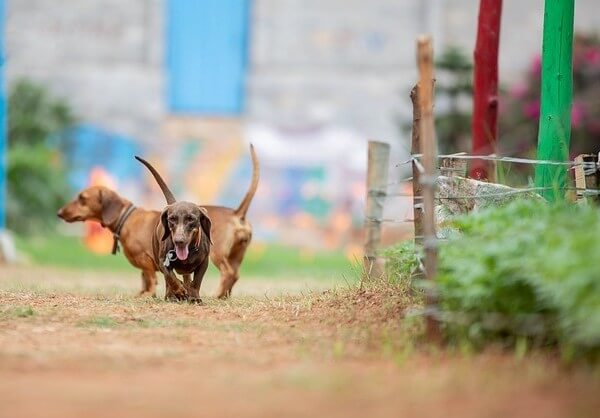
{"x": 341, "y": 62}
{"x": 352, "y": 62}
{"x": 105, "y": 56}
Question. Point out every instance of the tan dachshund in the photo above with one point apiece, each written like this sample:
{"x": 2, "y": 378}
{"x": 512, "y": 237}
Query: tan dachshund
{"x": 134, "y": 227}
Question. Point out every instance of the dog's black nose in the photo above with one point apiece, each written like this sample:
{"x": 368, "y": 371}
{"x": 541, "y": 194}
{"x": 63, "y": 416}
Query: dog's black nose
{"x": 179, "y": 241}
{"x": 59, "y": 213}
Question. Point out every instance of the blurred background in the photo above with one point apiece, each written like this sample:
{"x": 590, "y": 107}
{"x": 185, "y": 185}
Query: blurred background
{"x": 189, "y": 84}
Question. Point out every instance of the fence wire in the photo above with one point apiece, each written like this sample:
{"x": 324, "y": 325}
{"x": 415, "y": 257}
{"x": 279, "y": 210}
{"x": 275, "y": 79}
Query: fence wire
{"x": 589, "y": 167}
{"x": 585, "y": 164}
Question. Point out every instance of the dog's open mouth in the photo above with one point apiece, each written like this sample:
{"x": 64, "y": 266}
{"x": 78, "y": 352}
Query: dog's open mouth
{"x": 181, "y": 251}
{"x": 72, "y": 219}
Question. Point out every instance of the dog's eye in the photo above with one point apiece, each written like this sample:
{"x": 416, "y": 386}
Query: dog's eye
{"x": 189, "y": 219}
{"x": 80, "y": 198}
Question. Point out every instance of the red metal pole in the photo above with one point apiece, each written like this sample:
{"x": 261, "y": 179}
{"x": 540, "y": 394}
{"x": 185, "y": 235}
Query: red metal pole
{"x": 485, "y": 84}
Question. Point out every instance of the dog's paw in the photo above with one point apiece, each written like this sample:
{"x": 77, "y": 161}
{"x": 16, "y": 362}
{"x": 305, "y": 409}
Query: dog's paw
{"x": 177, "y": 296}
{"x": 196, "y": 301}
{"x": 146, "y": 293}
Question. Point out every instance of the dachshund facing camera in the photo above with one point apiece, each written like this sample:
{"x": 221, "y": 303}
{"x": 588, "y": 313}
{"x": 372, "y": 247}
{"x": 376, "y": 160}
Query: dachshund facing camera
{"x": 180, "y": 243}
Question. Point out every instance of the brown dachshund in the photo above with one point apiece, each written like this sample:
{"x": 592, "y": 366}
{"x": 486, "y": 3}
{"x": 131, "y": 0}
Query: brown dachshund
{"x": 135, "y": 231}
{"x": 231, "y": 233}
{"x": 180, "y": 243}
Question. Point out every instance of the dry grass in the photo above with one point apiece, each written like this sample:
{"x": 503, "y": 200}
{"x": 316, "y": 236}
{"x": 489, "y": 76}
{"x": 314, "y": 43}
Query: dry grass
{"x": 83, "y": 346}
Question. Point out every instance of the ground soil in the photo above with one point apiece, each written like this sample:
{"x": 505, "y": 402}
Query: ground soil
{"x": 76, "y": 344}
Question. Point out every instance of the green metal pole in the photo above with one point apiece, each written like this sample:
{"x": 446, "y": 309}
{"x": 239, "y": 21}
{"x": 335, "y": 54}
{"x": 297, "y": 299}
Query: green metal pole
{"x": 3, "y": 123}
{"x": 557, "y": 97}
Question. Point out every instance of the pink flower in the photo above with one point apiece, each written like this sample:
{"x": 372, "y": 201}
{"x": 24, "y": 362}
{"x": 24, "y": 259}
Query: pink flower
{"x": 536, "y": 66}
{"x": 577, "y": 114}
{"x": 592, "y": 56}
{"x": 531, "y": 109}
{"x": 518, "y": 91}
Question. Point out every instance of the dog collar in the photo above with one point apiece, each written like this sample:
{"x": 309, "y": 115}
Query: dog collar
{"x": 120, "y": 223}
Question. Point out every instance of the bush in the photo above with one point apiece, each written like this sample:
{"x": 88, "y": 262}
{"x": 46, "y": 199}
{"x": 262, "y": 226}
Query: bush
{"x": 37, "y": 182}
{"x": 520, "y": 107}
{"x": 37, "y": 187}
{"x": 525, "y": 272}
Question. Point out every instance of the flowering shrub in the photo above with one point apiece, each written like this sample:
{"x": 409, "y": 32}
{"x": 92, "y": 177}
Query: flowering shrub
{"x": 520, "y": 104}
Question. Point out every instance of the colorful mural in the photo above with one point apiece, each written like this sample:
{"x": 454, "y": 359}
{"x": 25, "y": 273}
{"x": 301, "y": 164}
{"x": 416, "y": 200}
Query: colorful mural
{"x": 90, "y": 147}
{"x": 311, "y": 188}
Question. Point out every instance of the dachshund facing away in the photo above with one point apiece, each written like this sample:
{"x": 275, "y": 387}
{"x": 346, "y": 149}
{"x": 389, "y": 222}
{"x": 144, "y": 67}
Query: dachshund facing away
{"x": 180, "y": 243}
{"x": 231, "y": 233}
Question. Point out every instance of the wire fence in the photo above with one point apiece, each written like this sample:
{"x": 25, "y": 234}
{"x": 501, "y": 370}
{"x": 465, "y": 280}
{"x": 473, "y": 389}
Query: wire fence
{"x": 589, "y": 167}
{"x": 461, "y": 156}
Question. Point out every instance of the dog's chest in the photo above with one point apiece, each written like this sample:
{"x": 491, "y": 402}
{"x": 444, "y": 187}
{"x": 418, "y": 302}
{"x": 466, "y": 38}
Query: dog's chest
{"x": 196, "y": 257}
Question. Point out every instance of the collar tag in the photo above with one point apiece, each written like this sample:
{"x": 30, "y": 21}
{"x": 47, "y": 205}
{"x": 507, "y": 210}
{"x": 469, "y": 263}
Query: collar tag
{"x": 169, "y": 258}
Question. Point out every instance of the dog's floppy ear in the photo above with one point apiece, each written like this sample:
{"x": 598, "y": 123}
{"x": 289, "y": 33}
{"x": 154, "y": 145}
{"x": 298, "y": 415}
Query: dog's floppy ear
{"x": 165, "y": 224}
{"x": 205, "y": 223}
{"x": 111, "y": 208}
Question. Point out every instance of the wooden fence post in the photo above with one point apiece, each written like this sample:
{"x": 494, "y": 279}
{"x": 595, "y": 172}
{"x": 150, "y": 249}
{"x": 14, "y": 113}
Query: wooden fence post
{"x": 428, "y": 179}
{"x": 586, "y": 177}
{"x": 416, "y": 176}
{"x": 377, "y": 178}
{"x": 484, "y": 124}
{"x": 556, "y": 98}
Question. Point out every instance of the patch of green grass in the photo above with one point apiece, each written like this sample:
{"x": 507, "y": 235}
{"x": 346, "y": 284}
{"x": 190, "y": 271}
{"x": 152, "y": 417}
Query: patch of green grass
{"x": 260, "y": 261}
{"x": 17, "y": 312}
{"x": 99, "y": 322}
{"x": 64, "y": 251}
{"x": 280, "y": 261}
{"x": 163, "y": 323}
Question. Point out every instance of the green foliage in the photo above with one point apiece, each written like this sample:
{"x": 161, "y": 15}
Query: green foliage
{"x": 37, "y": 187}
{"x": 453, "y": 126}
{"x": 37, "y": 183}
{"x": 524, "y": 270}
{"x": 34, "y": 115}
{"x": 520, "y": 106}
{"x": 523, "y": 274}
{"x": 454, "y": 91}
{"x": 402, "y": 261}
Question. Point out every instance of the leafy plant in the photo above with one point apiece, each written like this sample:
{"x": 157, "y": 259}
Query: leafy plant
{"x": 523, "y": 274}
{"x": 453, "y": 126}
{"x": 402, "y": 261}
{"x": 524, "y": 270}
{"x": 37, "y": 183}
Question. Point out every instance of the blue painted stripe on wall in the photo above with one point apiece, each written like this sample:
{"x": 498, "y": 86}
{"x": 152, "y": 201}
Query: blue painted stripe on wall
{"x": 206, "y": 59}
{"x": 3, "y": 121}
{"x": 94, "y": 146}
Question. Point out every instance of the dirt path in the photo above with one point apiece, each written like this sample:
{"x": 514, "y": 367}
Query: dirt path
{"x": 74, "y": 344}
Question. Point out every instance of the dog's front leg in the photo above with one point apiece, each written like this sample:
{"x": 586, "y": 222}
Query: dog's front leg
{"x": 175, "y": 290}
{"x": 197, "y": 282}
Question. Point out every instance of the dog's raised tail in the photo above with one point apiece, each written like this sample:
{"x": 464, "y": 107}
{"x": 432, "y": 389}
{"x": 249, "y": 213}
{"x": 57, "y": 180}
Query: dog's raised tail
{"x": 161, "y": 183}
{"x": 243, "y": 208}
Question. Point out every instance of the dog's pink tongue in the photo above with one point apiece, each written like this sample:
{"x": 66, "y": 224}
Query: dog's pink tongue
{"x": 182, "y": 252}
